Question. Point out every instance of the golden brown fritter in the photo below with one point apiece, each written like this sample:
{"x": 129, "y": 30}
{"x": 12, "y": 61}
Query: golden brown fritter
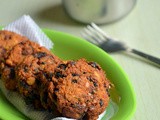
{"x": 82, "y": 89}
{"x": 31, "y": 75}
{"x": 15, "y": 56}
{"x": 77, "y": 89}
{"x": 8, "y": 40}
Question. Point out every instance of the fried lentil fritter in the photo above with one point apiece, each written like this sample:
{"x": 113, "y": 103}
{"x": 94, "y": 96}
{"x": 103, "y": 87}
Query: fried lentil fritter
{"x": 31, "y": 76}
{"x": 82, "y": 89}
{"x": 77, "y": 89}
{"x": 14, "y": 57}
{"x": 8, "y": 40}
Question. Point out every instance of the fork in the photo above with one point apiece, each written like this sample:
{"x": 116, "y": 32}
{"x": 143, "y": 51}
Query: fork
{"x": 97, "y": 36}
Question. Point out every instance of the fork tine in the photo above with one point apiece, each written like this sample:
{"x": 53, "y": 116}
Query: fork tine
{"x": 99, "y": 30}
{"x": 94, "y": 34}
{"x": 98, "y": 37}
{"x": 107, "y": 37}
{"x": 89, "y": 36}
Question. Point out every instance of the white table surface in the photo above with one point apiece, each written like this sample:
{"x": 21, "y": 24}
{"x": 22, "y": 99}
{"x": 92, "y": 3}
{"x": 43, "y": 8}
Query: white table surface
{"x": 140, "y": 30}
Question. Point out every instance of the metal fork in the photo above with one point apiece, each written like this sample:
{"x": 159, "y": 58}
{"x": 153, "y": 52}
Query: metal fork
{"x": 95, "y": 35}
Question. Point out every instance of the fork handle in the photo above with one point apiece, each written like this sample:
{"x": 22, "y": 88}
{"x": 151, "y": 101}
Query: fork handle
{"x": 146, "y": 56}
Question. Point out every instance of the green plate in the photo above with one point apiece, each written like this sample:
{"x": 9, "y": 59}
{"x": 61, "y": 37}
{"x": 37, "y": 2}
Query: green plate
{"x": 71, "y": 47}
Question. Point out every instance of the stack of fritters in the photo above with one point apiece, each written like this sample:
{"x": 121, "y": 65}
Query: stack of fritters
{"x": 77, "y": 89}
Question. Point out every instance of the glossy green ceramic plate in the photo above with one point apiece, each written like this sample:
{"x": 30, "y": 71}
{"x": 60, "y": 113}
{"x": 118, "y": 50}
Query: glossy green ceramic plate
{"x": 70, "y": 47}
